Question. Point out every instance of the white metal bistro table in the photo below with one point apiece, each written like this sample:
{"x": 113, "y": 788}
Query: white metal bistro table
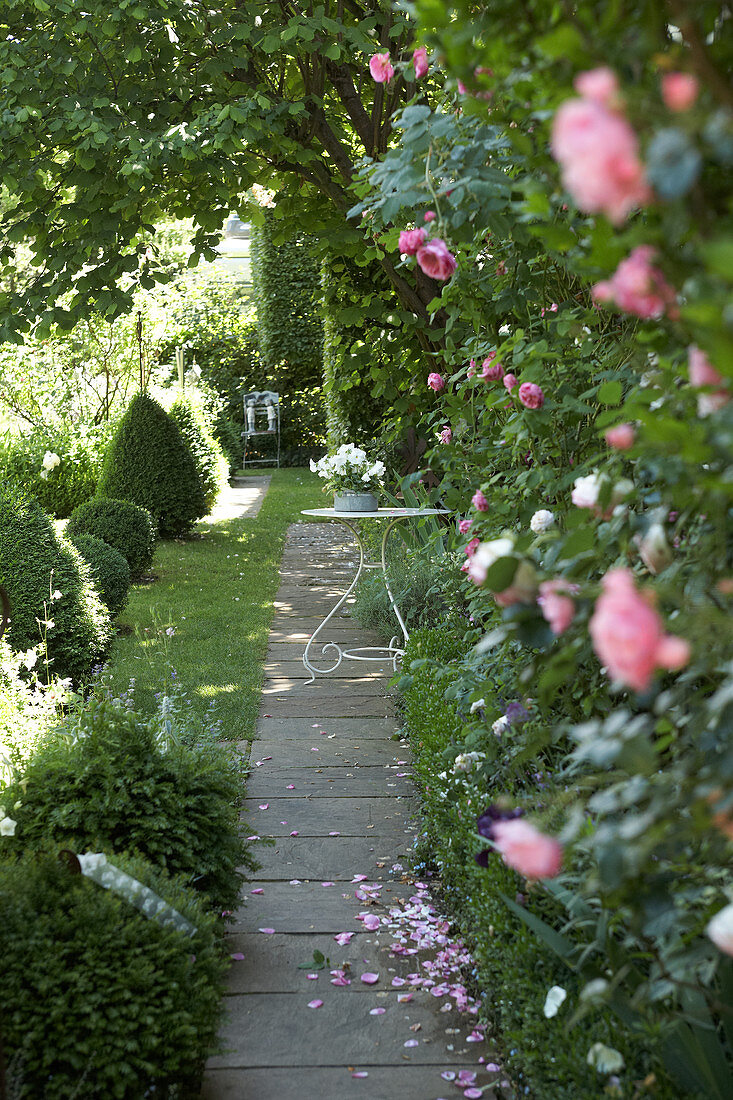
{"x": 395, "y": 650}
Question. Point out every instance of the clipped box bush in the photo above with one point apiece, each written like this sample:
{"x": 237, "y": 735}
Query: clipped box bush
{"x": 99, "y": 1000}
{"x": 109, "y": 569}
{"x": 124, "y": 526}
{"x": 205, "y": 450}
{"x": 35, "y": 562}
{"x": 177, "y": 806}
{"x": 148, "y": 463}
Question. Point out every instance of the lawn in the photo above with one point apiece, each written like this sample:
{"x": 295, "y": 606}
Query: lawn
{"x": 205, "y": 621}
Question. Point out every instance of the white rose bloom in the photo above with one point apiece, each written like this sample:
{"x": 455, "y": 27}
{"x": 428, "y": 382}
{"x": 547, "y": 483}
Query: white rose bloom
{"x": 500, "y": 725}
{"x": 605, "y": 1059}
{"x": 486, "y": 554}
{"x": 553, "y": 1000}
{"x": 542, "y": 521}
{"x": 314, "y": 466}
{"x": 51, "y": 460}
{"x": 585, "y": 493}
{"x": 367, "y": 477}
{"x": 477, "y": 705}
{"x": 720, "y": 929}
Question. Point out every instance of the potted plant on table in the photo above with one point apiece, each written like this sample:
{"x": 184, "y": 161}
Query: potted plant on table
{"x": 353, "y": 478}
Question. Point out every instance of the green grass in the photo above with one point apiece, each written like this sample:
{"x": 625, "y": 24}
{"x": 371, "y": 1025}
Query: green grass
{"x": 216, "y": 593}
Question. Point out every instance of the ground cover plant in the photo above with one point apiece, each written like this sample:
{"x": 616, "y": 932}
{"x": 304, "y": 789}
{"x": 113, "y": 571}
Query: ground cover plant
{"x": 214, "y": 598}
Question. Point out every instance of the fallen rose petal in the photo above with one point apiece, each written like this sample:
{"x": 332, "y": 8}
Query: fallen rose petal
{"x": 312, "y": 977}
{"x": 473, "y": 1094}
{"x": 360, "y": 1073}
{"x": 360, "y": 878}
{"x": 404, "y": 998}
{"x": 314, "y": 1004}
{"x": 371, "y": 922}
{"x": 295, "y": 882}
{"x": 377, "y": 1011}
{"x": 294, "y": 832}
{"x": 290, "y": 787}
{"x": 334, "y": 834}
{"x": 342, "y": 938}
{"x": 412, "y": 1043}
{"x": 267, "y": 931}
{"x": 265, "y": 806}
{"x": 369, "y": 978}
{"x": 237, "y": 956}
{"x": 448, "y": 1075}
{"x": 328, "y": 884}
{"x": 253, "y": 837}
{"x": 257, "y": 890}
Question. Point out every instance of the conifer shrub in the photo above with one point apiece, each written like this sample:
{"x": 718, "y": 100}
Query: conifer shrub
{"x": 109, "y": 569}
{"x": 148, "y": 463}
{"x": 35, "y": 563}
{"x": 206, "y": 452}
{"x": 124, "y": 526}
{"x": 174, "y": 804}
{"x": 98, "y": 999}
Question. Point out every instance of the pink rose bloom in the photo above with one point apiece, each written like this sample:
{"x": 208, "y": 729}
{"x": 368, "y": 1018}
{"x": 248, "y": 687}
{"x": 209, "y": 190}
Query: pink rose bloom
{"x": 531, "y": 395}
{"x": 446, "y": 435}
{"x": 679, "y": 90}
{"x": 557, "y": 607}
{"x": 621, "y": 437}
{"x": 637, "y": 287}
{"x": 491, "y": 370}
{"x": 550, "y": 309}
{"x": 472, "y": 547}
{"x": 462, "y": 89}
{"x": 381, "y": 68}
{"x": 510, "y": 381}
{"x": 599, "y": 156}
{"x": 628, "y": 634}
{"x": 411, "y": 240}
{"x": 526, "y": 849}
{"x": 429, "y": 216}
{"x": 420, "y": 61}
{"x": 435, "y": 259}
{"x": 600, "y": 85}
{"x": 465, "y": 525}
{"x": 471, "y": 369}
{"x": 479, "y": 501}
{"x": 436, "y": 382}
{"x": 703, "y": 373}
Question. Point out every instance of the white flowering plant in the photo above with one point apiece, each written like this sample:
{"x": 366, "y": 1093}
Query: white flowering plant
{"x": 349, "y": 469}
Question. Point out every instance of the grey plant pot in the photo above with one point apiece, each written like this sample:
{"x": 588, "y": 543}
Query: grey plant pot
{"x": 347, "y": 501}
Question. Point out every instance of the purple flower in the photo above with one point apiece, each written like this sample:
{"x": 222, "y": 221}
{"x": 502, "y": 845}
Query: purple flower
{"x": 516, "y": 714}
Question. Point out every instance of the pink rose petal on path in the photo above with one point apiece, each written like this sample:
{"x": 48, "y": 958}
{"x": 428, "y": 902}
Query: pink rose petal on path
{"x": 328, "y": 884}
{"x": 315, "y": 726}
{"x": 411, "y": 1043}
{"x": 377, "y": 1011}
{"x": 253, "y": 837}
{"x": 267, "y": 757}
{"x": 257, "y": 890}
{"x": 397, "y": 983}
{"x": 267, "y": 931}
{"x": 369, "y": 978}
{"x": 359, "y": 878}
{"x": 312, "y": 977}
{"x": 290, "y": 787}
{"x": 334, "y": 834}
{"x": 404, "y": 998}
{"x": 237, "y": 956}
{"x": 265, "y": 806}
{"x": 473, "y": 1094}
{"x": 295, "y": 882}
{"x": 314, "y": 1004}
{"x": 343, "y": 938}
{"x": 371, "y": 922}
{"x": 294, "y": 832}
{"x": 360, "y": 1073}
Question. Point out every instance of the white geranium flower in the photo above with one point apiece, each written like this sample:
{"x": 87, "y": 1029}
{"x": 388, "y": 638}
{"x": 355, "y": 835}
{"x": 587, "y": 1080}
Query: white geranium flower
{"x": 51, "y": 460}
{"x": 720, "y": 929}
{"x": 542, "y": 521}
{"x": 605, "y": 1059}
{"x": 465, "y": 761}
{"x": 477, "y": 705}
{"x": 500, "y": 725}
{"x": 553, "y": 1000}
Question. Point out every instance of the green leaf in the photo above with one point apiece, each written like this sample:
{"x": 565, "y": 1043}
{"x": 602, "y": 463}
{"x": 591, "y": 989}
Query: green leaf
{"x": 610, "y": 393}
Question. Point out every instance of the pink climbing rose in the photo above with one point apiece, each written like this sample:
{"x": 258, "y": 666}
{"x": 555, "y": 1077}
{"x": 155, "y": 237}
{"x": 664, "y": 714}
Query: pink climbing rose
{"x": 679, "y": 91}
{"x": 510, "y": 381}
{"x": 628, "y": 633}
{"x": 638, "y": 287}
{"x": 621, "y": 438}
{"x": 472, "y": 547}
{"x": 436, "y": 260}
{"x": 556, "y": 605}
{"x": 526, "y": 849}
{"x": 531, "y": 395}
{"x": 491, "y": 368}
{"x": 411, "y": 240}
{"x": 420, "y": 61}
{"x": 479, "y": 501}
{"x": 381, "y": 67}
{"x": 703, "y": 373}
{"x": 465, "y": 525}
{"x": 436, "y": 381}
{"x": 599, "y": 156}
{"x": 446, "y": 435}
{"x": 599, "y": 85}
{"x": 429, "y": 216}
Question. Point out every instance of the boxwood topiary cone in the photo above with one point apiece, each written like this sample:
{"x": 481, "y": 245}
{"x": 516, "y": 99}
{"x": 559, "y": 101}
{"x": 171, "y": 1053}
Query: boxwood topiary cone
{"x": 35, "y": 562}
{"x": 205, "y": 451}
{"x": 148, "y": 463}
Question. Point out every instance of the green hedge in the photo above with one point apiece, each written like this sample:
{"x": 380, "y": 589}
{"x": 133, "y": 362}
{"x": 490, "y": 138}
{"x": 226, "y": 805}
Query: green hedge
{"x": 515, "y": 968}
{"x": 97, "y": 999}
{"x": 109, "y": 570}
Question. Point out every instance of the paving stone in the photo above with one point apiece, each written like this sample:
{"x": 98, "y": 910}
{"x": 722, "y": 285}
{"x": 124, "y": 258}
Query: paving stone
{"x": 333, "y": 707}
{"x": 269, "y": 1029}
{"x": 340, "y": 751}
{"x": 348, "y": 816}
{"x": 285, "y": 688}
{"x": 308, "y": 908}
{"x": 336, "y": 1083}
{"x": 290, "y": 728}
{"x": 338, "y": 858}
{"x": 326, "y": 783}
{"x": 294, "y": 669}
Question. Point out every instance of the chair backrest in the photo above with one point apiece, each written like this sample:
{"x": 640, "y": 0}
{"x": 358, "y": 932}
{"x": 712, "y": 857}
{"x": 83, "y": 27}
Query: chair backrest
{"x": 261, "y": 398}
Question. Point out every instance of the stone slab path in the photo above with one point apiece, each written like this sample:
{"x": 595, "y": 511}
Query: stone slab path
{"x": 331, "y": 786}
{"x": 241, "y": 498}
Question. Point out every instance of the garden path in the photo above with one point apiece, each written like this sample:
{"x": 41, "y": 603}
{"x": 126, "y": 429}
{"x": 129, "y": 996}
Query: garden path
{"x": 331, "y": 784}
{"x": 241, "y": 498}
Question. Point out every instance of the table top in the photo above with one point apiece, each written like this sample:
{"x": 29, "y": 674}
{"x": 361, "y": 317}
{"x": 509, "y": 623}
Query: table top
{"x": 380, "y": 513}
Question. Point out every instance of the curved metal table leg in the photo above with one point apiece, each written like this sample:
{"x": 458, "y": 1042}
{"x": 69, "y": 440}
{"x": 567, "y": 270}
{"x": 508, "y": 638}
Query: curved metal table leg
{"x": 332, "y": 645}
{"x": 393, "y": 645}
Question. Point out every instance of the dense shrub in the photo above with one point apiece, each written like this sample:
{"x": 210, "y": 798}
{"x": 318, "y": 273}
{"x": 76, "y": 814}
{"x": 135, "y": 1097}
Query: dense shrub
{"x": 176, "y": 805}
{"x": 124, "y": 526}
{"x": 98, "y": 999}
{"x": 109, "y": 570}
{"x": 59, "y": 469}
{"x": 35, "y": 563}
{"x": 148, "y": 463}
{"x": 205, "y": 450}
